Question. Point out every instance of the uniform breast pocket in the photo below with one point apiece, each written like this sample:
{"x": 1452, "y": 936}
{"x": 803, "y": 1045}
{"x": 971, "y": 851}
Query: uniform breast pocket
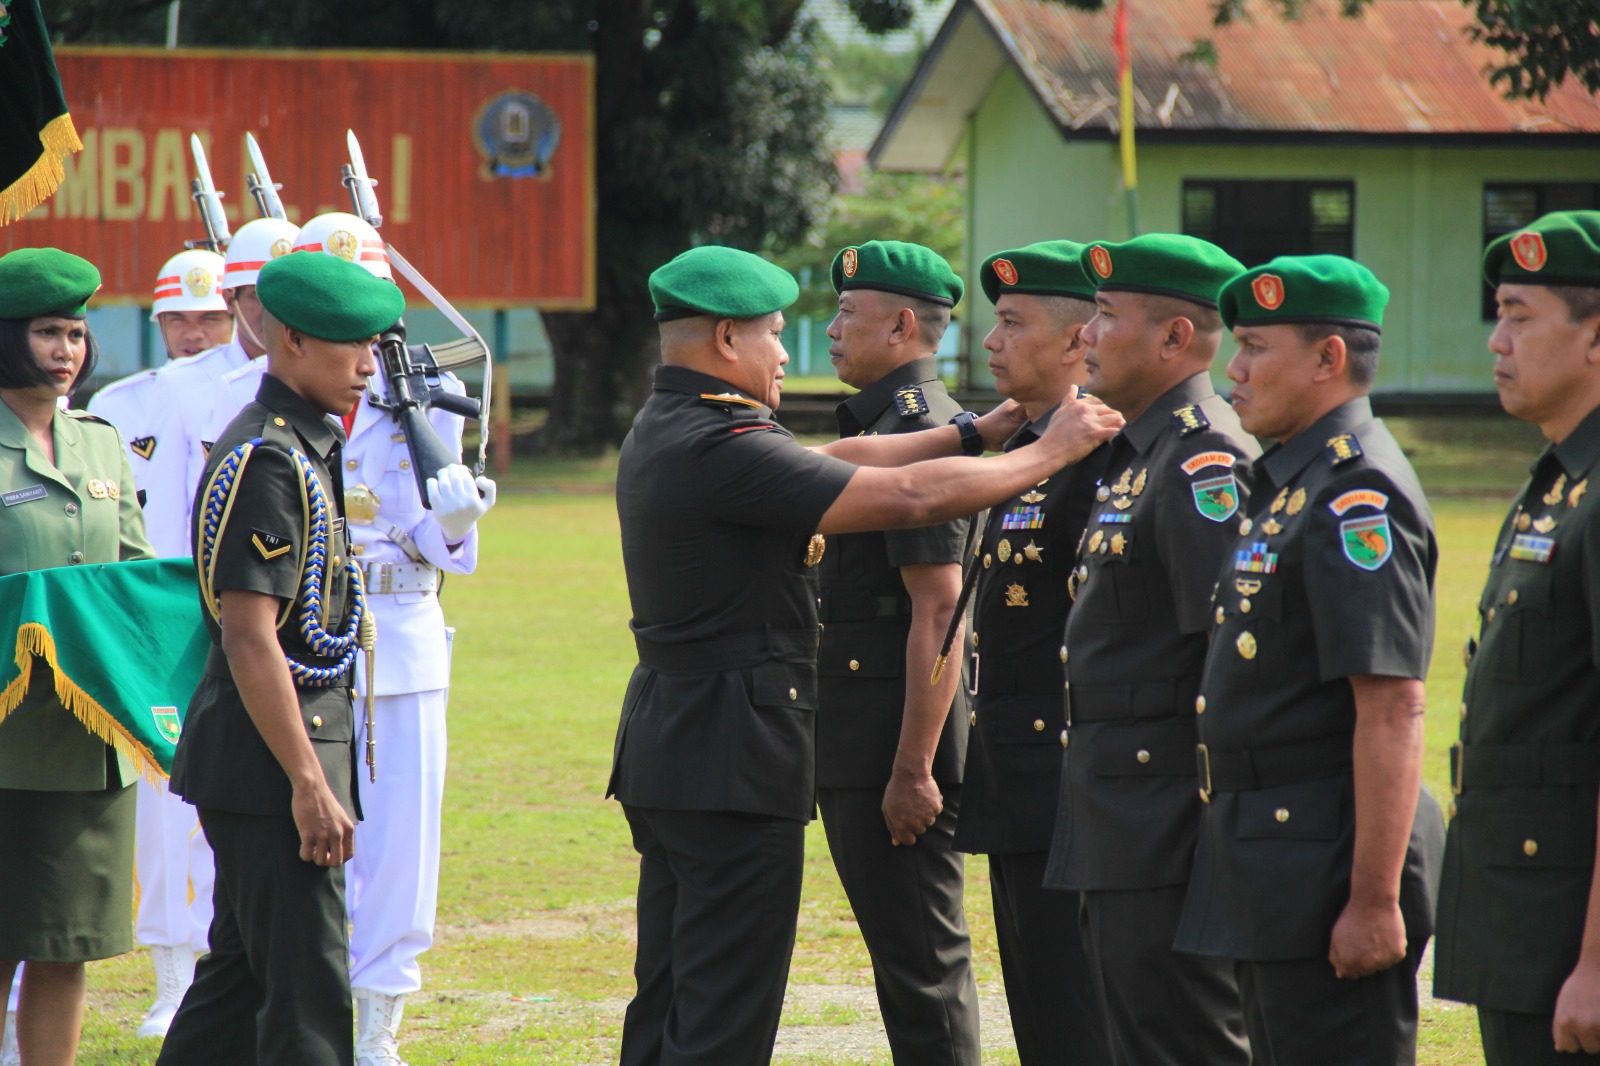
{"x": 1518, "y": 625}
{"x": 788, "y": 685}
{"x": 1270, "y": 650}
{"x": 1120, "y": 595}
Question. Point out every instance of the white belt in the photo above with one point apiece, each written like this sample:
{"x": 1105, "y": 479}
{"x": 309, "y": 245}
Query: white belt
{"x": 400, "y": 577}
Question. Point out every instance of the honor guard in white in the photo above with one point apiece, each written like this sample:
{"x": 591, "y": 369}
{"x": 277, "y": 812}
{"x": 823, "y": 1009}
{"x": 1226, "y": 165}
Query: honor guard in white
{"x": 172, "y": 863}
{"x": 404, "y": 549}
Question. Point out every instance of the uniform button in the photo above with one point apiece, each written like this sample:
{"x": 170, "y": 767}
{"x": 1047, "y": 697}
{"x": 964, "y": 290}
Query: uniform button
{"x": 1281, "y": 814}
{"x": 794, "y": 694}
{"x": 72, "y": 510}
{"x": 1063, "y": 738}
{"x": 1511, "y": 597}
{"x": 316, "y": 721}
{"x": 972, "y": 719}
{"x": 974, "y": 640}
{"x": 1199, "y": 705}
{"x": 987, "y": 560}
{"x": 1244, "y": 605}
{"x": 855, "y": 664}
{"x": 1490, "y": 615}
{"x": 1142, "y": 756}
{"x": 1530, "y": 847}
{"x": 1221, "y": 614}
{"x": 1102, "y": 494}
{"x": 1038, "y": 725}
{"x": 405, "y": 464}
{"x": 351, "y": 464}
{"x": 75, "y": 558}
{"x": 361, "y": 549}
{"x": 1463, "y": 712}
{"x": 279, "y": 422}
{"x": 1063, "y": 653}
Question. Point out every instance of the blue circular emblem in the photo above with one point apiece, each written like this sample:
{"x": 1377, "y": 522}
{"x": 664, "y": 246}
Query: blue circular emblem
{"x": 517, "y": 133}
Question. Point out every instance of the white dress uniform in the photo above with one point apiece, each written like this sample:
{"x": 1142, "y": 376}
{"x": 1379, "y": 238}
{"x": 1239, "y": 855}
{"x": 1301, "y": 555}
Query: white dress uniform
{"x": 392, "y": 883}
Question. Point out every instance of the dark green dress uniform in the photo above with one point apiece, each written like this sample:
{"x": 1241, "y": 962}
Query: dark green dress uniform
{"x": 1161, "y": 526}
{"x": 1330, "y": 577}
{"x": 1013, "y": 773}
{"x": 714, "y": 755}
{"x": 275, "y": 986}
{"x": 1521, "y": 850}
{"x": 907, "y": 901}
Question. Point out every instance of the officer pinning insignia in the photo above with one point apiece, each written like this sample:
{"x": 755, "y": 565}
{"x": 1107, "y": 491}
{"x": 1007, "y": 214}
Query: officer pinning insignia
{"x": 143, "y": 447}
{"x": 815, "y": 549}
{"x": 910, "y": 402}
{"x": 1216, "y": 498}
{"x": 1255, "y": 559}
{"x": 1016, "y": 596}
{"x": 1342, "y": 449}
{"x": 1359, "y": 498}
{"x": 270, "y": 545}
{"x": 1367, "y": 542}
{"x": 1190, "y": 420}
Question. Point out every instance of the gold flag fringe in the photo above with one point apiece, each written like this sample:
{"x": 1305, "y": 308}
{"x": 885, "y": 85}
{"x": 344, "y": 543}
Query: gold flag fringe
{"x": 59, "y": 138}
{"x": 34, "y": 639}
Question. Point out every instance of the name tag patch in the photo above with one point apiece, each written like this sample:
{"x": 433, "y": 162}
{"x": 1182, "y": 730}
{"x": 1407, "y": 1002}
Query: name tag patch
{"x": 16, "y": 496}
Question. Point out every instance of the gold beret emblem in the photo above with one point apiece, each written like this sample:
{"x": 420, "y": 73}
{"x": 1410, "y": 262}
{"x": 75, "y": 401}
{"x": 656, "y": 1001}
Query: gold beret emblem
{"x": 1268, "y": 290}
{"x": 1005, "y": 271}
{"x": 1100, "y": 259}
{"x": 1529, "y": 251}
{"x": 849, "y": 263}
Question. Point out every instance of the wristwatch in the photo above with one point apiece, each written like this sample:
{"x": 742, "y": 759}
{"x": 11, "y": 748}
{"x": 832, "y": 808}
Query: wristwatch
{"x": 971, "y": 440}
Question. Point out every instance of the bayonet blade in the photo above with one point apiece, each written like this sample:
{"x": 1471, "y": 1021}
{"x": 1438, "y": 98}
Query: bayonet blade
{"x": 208, "y": 198}
{"x": 263, "y": 188}
{"x": 361, "y": 184}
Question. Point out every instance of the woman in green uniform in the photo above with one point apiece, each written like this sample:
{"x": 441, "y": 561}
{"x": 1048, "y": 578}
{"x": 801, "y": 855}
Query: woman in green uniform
{"x": 66, "y": 798}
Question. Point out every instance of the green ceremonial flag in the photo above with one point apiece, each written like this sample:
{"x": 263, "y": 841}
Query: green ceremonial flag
{"x": 36, "y": 132}
{"x": 126, "y": 642}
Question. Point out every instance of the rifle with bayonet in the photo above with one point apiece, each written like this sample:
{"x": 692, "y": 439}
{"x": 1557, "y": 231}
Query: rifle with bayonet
{"x": 412, "y": 372}
{"x": 209, "y": 201}
{"x": 261, "y": 185}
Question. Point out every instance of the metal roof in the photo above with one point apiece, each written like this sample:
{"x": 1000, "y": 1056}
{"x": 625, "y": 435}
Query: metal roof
{"x": 1404, "y": 67}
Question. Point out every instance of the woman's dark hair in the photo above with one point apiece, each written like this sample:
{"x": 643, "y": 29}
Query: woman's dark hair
{"x": 20, "y": 370}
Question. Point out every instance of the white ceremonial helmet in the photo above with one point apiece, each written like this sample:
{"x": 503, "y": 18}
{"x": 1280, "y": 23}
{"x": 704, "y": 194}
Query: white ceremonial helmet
{"x": 254, "y": 245}
{"x": 348, "y": 237}
{"x": 190, "y": 281}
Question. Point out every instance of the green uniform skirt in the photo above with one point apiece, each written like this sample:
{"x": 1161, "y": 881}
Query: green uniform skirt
{"x": 66, "y": 894}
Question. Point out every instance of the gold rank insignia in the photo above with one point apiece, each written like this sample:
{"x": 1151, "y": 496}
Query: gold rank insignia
{"x": 1095, "y": 541}
{"x": 1247, "y": 586}
{"x": 1279, "y": 500}
{"x": 1122, "y": 503}
{"x": 910, "y": 402}
{"x": 143, "y": 447}
{"x": 97, "y": 488}
{"x": 1032, "y": 496}
{"x": 1003, "y": 550}
{"x": 1016, "y": 596}
{"x": 1118, "y": 543}
{"x": 1558, "y": 490}
{"x": 1033, "y": 552}
{"x": 1124, "y": 483}
{"x": 1246, "y": 645}
{"x": 1524, "y": 522}
{"x": 815, "y": 549}
{"x": 1297, "y": 502}
{"x": 1271, "y": 526}
{"x": 1577, "y": 492}
{"x": 1140, "y": 482}
{"x": 1544, "y": 524}
{"x": 270, "y": 545}
{"x": 113, "y": 490}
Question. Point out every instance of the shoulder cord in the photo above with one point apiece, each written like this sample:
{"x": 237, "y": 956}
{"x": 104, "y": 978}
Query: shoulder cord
{"x": 313, "y": 562}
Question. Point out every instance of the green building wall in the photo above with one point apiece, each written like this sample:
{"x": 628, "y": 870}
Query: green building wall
{"x": 1418, "y": 219}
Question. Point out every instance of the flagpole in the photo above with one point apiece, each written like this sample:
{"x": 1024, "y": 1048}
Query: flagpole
{"x": 1130, "y": 173}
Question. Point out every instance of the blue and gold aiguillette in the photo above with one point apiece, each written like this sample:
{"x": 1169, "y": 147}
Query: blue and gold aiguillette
{"x": 1256, "y": 559}
{"x": 1023, "y": 518}
{"x": 1532, "y": 549}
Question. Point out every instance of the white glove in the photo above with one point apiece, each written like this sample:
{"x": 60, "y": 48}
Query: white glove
{"x": 459, "y": 501}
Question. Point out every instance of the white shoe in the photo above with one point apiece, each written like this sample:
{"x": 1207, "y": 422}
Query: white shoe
{"x": 174, "y": 975}
{"x": 378, "y": 1028}
{"x": 10, "y": 1055}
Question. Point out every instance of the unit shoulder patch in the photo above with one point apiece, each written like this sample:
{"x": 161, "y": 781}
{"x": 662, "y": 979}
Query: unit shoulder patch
{"x": 1216, "y": 498}
{"x": 143, "y": 447}
{"x": 1342, "y": 449}
{"x": 1196, "y": 463}
{"x": 910, "y": 402}
{"x": 1359, "y": 498}
{"x": 1367, "y": 542}
{"x": 270, "y": 545}
{"x": 1189, "y": 420}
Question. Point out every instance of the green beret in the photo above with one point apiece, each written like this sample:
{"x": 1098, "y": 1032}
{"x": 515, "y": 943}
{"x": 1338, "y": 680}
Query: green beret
{"x": 1305, "y": 288}
{"x": 1162, "y": 264}
{"x": 329, "y": 298}
{"x": 720, "y": 282}
{"x": 39, "y": 281}
{"x": 895, "y": 266}
{"x": 1049, "y": 268}
{"x": 1562, "y": 248}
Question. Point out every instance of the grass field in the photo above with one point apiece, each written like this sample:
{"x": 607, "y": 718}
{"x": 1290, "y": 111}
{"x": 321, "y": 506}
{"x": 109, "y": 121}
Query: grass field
{"x": 532, "y": 962}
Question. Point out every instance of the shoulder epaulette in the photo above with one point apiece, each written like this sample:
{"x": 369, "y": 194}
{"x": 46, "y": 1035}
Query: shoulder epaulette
{"x": 84, "y": 416}
{"x": 122, "y": 383}
{"x": 1342, "y": 449}
{"x": 910, "y": 402}
{"x": 1189, "y": 419}
{"x": 730, "y": 398}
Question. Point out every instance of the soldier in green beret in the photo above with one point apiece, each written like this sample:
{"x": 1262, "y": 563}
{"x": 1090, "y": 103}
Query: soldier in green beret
{"x": 1162, "y": 523}
{"x": 722, "y": 516}
{"x": 1318, "y": 845}
{"x": 890, "y": 747}
{"x": 1519, "y": 910}
{"x": 266, "y": 754}
{"x": 67, "y": 799}
{"x": 1042, "y": 301}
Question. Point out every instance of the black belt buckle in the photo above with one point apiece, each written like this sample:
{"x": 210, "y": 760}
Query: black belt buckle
{"x": 1457, "y": 756}
{"x": 1202, "y": 761}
